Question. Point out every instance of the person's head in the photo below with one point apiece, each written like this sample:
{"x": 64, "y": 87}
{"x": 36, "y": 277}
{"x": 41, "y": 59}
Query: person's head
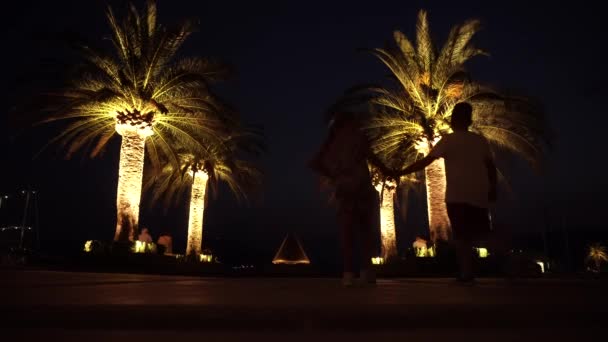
{"x": 462, "y": 116}
{"x": 144, "y": 230}
{"x": 339, "y": 118}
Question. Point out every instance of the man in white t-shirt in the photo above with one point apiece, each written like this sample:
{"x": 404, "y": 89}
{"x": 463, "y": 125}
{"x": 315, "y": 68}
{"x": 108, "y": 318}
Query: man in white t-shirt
{"x": 470, "y": 184}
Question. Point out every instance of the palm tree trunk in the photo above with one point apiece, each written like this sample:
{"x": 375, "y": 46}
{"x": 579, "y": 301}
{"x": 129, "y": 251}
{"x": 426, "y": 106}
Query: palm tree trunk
{"x": 128, "y": 195}
{"x": 439, "y": 223}
{"x": 387, "y": 222}
{"x": 197, "y": 208}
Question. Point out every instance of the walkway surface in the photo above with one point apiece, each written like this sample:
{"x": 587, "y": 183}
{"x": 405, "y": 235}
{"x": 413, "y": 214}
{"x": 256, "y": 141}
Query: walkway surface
{"x": 94, "y": 306}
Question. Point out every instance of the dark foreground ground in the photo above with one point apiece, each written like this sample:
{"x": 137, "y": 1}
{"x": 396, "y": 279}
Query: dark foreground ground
{"x": 60, "y": 306}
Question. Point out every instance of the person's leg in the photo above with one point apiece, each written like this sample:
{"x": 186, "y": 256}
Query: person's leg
{"x": 476, "y": 229}
{"x": 499, "y": 247}
{"x": 464, "y": 253}
{"x": 457, "y": 213}
{"x": 367, "y": 274}
{"x": 369, "y": 210}
{"x": 345, "y": 223}
{"x": 370, "y": 220}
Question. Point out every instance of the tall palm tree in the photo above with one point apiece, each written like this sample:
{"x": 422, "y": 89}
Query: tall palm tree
{"x": 142, "y": 92}
{"x": 597, "y": 254}
{"x": 203, "y": 167}
{"x": 413, "y": 113}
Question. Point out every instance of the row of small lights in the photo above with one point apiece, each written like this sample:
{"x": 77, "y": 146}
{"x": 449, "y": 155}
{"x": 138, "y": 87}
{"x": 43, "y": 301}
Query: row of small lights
{"x": 22, "y": 191}
{"x": 5, "y": 197}
{"x": 14, "y": 228}
{"x": 242, "y": 267}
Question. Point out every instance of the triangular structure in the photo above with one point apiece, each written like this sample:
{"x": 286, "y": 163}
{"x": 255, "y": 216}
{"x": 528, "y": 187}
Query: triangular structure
{"x": 291, "y": 252}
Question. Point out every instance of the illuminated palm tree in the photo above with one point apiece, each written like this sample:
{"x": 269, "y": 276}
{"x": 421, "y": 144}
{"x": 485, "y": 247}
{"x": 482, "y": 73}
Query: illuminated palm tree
{"x": 414, "y": 114}
{"x": 215, "y": 162}
{"x": 597, "y": 254}
{"x": 142, "y": 92}
{"x": 387, "y": 191}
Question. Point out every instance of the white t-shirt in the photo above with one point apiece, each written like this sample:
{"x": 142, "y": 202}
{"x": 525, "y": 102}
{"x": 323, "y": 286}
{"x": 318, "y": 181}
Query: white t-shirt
{"x": 467, "y": 180}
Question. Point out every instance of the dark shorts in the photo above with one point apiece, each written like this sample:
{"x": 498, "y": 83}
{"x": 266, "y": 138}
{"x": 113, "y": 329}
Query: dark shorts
{"x": 468, "y": 222}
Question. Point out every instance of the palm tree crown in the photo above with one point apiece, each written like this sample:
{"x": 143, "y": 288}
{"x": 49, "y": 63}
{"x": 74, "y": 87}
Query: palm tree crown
{"x": 226, "y": 161}
{"x": 597, "y": 254}
{"x": 140, "y": 87}
{"x": 415, "y": 113}
{"x": 412, "y": 113}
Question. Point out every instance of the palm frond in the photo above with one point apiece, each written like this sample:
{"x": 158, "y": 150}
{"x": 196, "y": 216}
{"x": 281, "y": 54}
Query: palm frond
{"x": 407, "y": 49}
{"x": 424, "y": 43}
{"x": 514, "y": 142}
{"x": 461, "y": 46}
{"x": 151, "y": 18}
{"x": 220, "y": 159}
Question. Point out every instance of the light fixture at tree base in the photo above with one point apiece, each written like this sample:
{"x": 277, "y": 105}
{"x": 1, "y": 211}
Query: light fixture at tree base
{"x": 377, "y": 261}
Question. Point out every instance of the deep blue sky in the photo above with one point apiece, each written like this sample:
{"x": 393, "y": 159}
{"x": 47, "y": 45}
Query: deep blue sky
{"x": 293, "y": 59}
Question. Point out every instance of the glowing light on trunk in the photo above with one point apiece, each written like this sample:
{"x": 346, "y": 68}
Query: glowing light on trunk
{"x": 130, "y": 174}
{"x": 387, "y": 220}
{"x": 197, "y": 207}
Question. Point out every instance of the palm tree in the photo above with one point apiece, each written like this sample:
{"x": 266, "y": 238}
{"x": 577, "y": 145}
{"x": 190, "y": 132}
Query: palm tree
{"x": 215, "y": 162}
{"x": 395, "y": 159}
{"x": 413, "y": 115}
{"x": 142, "y": 92}
{"x": 387, "y": 192}
{"x": 597, "y": 254}
{"x": 386, "y": 189}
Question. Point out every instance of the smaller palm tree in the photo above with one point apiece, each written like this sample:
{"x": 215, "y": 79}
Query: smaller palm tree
{"x": 597, "y": 254}
{"x": 198, "y": 169}
{"x": 387, "y": 190}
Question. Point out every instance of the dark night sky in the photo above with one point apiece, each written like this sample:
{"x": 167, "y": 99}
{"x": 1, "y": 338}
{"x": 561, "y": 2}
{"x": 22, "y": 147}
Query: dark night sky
{"x": 293, "y": 59}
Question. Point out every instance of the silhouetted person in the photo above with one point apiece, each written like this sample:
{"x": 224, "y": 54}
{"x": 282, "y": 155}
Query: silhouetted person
{"x": 343, "y": 161}
{"x": 165, "y": 240}
{"x": 145, "y": 236}
{"x": 471, "y": 184}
